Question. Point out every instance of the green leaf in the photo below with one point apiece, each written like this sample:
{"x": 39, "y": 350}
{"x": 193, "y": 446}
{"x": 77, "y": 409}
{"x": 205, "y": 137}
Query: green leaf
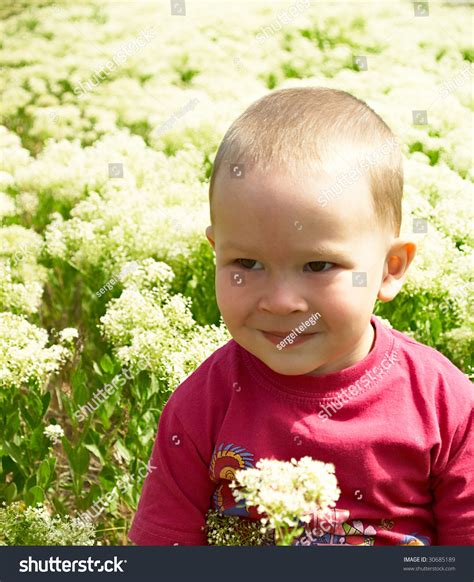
{"x": 32, "y": 409}
{"x": 27, "y": 416}
{"x": 78, "y": 458}
{"x": 69, "y": 452}
{"x": 31, "y": 482}
{"x": 15, "y": 453}
{"x": 107, "y": 364}
{"x": 436, "y": 328}
{"x": 97, "y": 370}
{"x": 154, "y": 386}
{"x": 59, "y": 506}
{"x": 82, "y": 458}
{"x": 46, "y": 399}
{"x": 10, "y": 492}
{"x": 122, "y": 450}
{"x": 104, "y": 417}
{"x": 95, "y": 450}
{"x": 34, "y": 495}
{"x": 79, "y": 386}
{"x": 44, "y": 473}
{"x": 13, "y": 422}
{"x": 38, "y": 442}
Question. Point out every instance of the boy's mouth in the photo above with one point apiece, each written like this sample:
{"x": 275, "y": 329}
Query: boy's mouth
{"x": 275, "y": 337}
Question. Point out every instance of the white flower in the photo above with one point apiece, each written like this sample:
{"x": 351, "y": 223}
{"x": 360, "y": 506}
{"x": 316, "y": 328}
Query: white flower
{"x": 21, "y": 277}
{"x": 36, "y": 525}
{"x": 151, "y": 329}
{"x": 7, "y": 205}
{"x": 68, "y": 334}
{"x": 24, "y": 355}
{"x": 54, "y": 432}
{"x": 287, "y": 492}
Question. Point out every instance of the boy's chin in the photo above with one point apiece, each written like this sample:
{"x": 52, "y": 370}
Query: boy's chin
{"x": 293, "y": 366}
{"x": 290, "y": 368}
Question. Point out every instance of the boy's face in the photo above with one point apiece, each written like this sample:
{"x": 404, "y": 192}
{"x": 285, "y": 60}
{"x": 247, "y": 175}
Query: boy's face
{"x": 271, "y": 277}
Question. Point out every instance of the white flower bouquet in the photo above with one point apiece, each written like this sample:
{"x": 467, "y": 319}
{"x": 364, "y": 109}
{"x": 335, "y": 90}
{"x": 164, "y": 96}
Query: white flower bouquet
{"x": 287, "y": 494}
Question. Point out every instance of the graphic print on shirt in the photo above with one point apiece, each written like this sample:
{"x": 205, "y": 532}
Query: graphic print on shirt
{"x": 225, "y": 461}
{"x": 333, "y": 528}
{"x": 415, "y": 539}
{"x": 328, "y": 527}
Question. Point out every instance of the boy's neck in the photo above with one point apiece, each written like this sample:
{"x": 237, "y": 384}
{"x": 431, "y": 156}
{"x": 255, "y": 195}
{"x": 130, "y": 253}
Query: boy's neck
{"x": 361, "y": 351}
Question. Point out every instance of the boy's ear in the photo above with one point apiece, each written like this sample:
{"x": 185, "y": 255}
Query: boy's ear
{"x": 399, "y": 258}
{"x": 210, "y": 236}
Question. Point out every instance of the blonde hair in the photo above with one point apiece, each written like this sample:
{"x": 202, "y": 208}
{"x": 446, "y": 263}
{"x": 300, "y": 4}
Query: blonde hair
{"x": 316, "y": 126}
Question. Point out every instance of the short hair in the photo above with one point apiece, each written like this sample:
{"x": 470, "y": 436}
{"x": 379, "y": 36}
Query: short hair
{"x": 315, "y": 125}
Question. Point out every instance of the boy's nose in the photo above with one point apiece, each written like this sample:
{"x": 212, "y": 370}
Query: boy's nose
{"x": 282, "y": 298}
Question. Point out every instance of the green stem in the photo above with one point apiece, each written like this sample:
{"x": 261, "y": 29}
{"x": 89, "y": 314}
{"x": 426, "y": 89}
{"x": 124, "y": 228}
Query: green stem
{"x": 283, "y": 537}
{"x": 108, "y": 529}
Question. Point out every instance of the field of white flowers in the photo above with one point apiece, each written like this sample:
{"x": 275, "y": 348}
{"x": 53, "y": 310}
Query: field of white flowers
{"x": 110, "y": 116}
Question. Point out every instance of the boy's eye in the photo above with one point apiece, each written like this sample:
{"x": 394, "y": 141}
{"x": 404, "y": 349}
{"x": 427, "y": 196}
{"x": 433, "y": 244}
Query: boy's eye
{"x": 245, "y": 263}
{"x": 316, "y": 266}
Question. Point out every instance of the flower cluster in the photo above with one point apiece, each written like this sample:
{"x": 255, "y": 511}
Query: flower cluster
{"x": 287, "y": 493}
{"x": 35, "y": 526}
{"x": 68, "y": 335}
{"x": 54, "y": 432}
{"x": 103, "y": 233}
{"x": 151, "y": 329}
{"x": 21, "y": 276}
{"x": 232, "y": 530}
{"x": 24, "y": 355}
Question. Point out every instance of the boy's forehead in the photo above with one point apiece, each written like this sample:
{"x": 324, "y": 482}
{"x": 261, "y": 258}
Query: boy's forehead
{"x": 315, "y": 200}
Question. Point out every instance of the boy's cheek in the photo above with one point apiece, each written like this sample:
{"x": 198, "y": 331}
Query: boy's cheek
{"x": 231, "y": 284}
{"x": 342, "y": 306}
{"x": 230, "y": 298}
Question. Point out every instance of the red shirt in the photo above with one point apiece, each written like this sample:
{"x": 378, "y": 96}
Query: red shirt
{"x": 397, "y": 426}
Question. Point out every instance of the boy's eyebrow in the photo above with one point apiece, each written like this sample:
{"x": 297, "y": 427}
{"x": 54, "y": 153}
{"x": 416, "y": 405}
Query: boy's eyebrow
{"x": 319, "y": 250}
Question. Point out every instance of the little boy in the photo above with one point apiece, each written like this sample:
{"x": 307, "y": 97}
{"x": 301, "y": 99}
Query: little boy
{"x": 305, "y": 201}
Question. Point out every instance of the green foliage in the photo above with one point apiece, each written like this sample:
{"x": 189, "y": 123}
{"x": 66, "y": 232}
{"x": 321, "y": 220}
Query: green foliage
{"x": 34, "y": 526}
{"x": 230, "y": 530}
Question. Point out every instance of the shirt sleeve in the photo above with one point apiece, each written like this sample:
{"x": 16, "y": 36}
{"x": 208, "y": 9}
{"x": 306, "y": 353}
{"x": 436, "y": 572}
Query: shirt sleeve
{"x": 453, "y": 488}
{"x": 177, "y": 491}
